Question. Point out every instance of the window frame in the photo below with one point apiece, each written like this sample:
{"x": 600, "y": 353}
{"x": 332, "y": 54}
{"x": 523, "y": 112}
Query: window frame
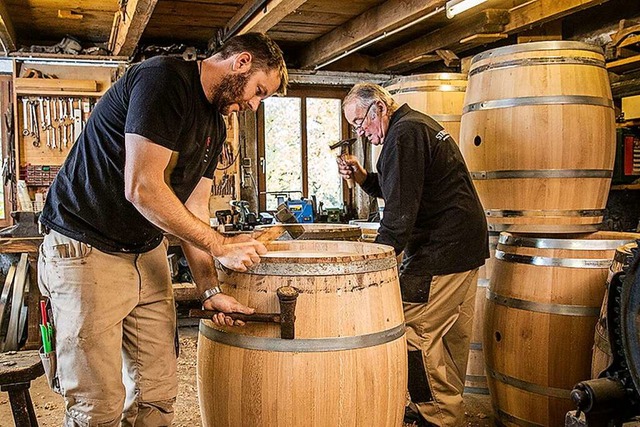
{"x": 303, "y": 93}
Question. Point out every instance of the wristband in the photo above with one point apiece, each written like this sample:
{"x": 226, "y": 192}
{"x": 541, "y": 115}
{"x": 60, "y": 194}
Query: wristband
{"x": 210, "y": 293}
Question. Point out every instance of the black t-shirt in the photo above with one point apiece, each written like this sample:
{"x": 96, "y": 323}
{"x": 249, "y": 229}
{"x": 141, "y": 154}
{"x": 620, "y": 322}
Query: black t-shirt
{"x": 160, "y": 99}
{"x": 432, "y": 210}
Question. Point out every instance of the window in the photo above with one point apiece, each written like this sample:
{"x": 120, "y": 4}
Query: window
{"x": 295, "y": 133}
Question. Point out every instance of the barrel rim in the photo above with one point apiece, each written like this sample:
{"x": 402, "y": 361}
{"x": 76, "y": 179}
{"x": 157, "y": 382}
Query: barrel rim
{"x": 310, "y": 227}
{"x": 381, "y": 252}
{"x": 509, "y": 239}
{"x": 366, "y": 225}
{"x": 535, "y": 46}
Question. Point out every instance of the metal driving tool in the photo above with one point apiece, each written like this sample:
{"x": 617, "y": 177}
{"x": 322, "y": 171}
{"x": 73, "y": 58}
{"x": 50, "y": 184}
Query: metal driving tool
{"x": 345, "y": 148}
{"x": 25, "y": 125}
{"x": 287, "y": 297}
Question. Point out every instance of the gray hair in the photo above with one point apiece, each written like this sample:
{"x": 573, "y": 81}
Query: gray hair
{"x": 364, "y": 94}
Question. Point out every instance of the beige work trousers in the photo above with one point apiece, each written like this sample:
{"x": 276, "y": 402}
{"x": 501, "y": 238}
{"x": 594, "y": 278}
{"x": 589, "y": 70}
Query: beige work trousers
{"x": 441, "y": 330}
{"x": 114, "y": 320}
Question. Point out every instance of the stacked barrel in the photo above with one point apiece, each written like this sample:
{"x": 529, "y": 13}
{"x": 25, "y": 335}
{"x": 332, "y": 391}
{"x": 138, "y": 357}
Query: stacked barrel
{"x": 538, "y": 135}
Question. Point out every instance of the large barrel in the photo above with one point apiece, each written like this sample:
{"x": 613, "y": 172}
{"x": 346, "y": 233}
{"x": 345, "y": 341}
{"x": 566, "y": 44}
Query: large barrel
{"x": 476, "y": 378}
{"x": 601, "y": 358}
{"x": 347, "y": 365}
{"x": 439, "y": 95}
{"x": 543, "y": 303}
{"x": 538, "y": 135}
{"x": 319, "y": 231}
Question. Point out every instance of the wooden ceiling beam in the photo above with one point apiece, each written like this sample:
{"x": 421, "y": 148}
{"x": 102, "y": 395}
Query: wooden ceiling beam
{"x": 487, "y": 21}
{"x": 543, "y": 11}
{"x": 7, "y": 33}
{"x": 129, "y": 26}
{"x": 374, "y": 22}
{"x": 264, "y": 15}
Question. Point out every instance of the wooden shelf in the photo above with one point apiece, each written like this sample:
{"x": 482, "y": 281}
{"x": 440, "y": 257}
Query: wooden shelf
{"x": 626, "y": 187}
{"x": 628, "y": 123}
{"x": 58, "y": 93}
{"x": 20, "y": 244}
{"x": 621, "y": 66}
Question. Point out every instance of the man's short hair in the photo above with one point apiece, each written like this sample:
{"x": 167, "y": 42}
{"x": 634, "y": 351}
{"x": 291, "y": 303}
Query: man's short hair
{"x": 267, "y": 55}
{"x": 363, "y": 94}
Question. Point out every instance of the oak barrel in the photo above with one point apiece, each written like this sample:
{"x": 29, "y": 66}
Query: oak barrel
{"x": 319, "y": 231}
{"x": 538, "y": 135}
{"x": 346, "y": 366}
{"x": 601, "y": 358}
{"x": 543, "y": 303}
{"x": 438, "y": 95}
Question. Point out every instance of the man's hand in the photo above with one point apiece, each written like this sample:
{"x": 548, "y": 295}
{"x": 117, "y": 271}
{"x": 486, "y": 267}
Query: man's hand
{"x": 350, "y": 168}
{"x": 226, "y": 304}
{"x": 240, "y": 252}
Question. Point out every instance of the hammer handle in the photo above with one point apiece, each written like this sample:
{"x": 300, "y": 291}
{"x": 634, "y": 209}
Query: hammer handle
{"x": 255, "y": 317}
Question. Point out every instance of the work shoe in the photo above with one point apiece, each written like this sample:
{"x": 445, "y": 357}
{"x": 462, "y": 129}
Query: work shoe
{"x": 413, "y": 417}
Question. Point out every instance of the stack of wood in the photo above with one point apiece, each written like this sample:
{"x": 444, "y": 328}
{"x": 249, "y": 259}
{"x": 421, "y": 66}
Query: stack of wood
{"x": 623, "y": 60}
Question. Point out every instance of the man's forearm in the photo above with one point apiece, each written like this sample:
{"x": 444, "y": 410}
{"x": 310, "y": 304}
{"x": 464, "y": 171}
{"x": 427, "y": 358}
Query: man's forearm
{"x": 202, "y": 267}
{"x": 162, "y": 208}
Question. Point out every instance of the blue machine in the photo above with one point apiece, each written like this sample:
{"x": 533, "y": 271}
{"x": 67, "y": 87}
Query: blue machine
{"x": 301, "y": 209}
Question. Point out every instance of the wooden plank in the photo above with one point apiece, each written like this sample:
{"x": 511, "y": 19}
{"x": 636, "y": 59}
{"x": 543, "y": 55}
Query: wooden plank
{"x": 630, "y": 41}
{"x": 624, "y": 65}
{"x": 240, "y": 14}
{"x": 484, "y": 38}
{"x": 541, "y": 11}
{"x": 389, "y": 15}
{"x": 20, "y": 244}
{"x": 7, "y": 32}
{"x": 487, "y": 21}
{"x": 185, "y": 291}
{"x": 33, "y": 303}
{"x": 449, "y": 57}
{"x": 274, "y": 12}
{"x": 127, "y": 33}
{"x": 61, "y": 85}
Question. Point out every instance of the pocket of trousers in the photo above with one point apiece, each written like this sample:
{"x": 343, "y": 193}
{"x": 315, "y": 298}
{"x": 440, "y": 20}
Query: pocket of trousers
{"x": 415, "y": 289}
{"x": 49, "y": 362}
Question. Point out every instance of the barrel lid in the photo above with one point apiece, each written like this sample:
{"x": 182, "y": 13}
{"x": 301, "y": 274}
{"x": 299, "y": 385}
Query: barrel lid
{"x": 536, "y": 46}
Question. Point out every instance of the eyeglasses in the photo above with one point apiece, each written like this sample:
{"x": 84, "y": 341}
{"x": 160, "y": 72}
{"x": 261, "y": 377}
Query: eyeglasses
{"x": 357, "y": 127}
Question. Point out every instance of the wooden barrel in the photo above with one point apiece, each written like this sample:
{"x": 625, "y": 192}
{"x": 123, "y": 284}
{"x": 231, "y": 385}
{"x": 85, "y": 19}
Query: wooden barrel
{"x": 320, "y": 231}
{"x": 368, "y": 230}
{"x": 476, "y": 378}
{"x": 538, "y": 136}
{"x": 438, "y": 95}
{"x": 347, "y": 365}
{"x": 543, "y": 303}
{"x": 601, "y": 357}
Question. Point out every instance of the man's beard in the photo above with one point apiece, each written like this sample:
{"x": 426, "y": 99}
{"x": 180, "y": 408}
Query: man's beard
{"x": 230, "y": 91}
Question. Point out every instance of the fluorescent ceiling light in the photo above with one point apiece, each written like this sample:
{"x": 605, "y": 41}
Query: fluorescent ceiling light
{"x": 455, "y": 7}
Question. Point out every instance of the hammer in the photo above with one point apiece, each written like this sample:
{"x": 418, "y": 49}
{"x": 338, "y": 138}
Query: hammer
{"x": 345, "y": 148}
{"x": 287, "y": 297}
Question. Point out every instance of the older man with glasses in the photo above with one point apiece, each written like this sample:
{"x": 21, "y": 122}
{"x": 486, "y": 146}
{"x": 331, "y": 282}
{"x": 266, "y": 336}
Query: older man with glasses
{"x": 433, "y": 213}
